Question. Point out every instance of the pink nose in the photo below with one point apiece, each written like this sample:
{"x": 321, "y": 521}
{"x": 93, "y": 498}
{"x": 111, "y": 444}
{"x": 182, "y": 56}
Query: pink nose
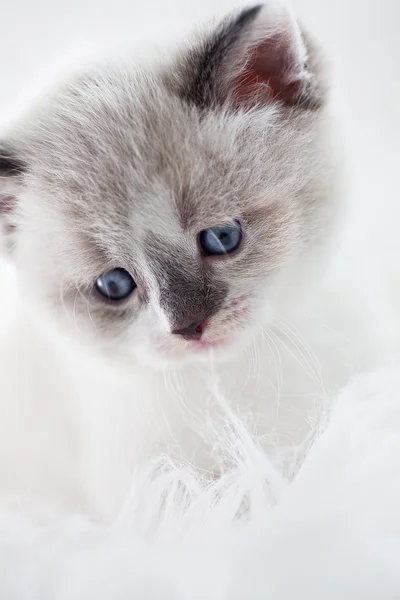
{"x": 191, "y": 332}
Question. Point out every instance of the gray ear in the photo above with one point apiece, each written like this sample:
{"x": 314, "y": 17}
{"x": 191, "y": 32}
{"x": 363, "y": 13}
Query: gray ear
{"x": 256, "y": 57}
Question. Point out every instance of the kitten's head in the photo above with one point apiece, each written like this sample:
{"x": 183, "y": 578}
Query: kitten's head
{"x": 167, "y": 208}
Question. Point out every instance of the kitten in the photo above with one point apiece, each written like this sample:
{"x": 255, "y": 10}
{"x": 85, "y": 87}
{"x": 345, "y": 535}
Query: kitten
{"x": 177, "y": 198}
{"x": 178, "y": 215}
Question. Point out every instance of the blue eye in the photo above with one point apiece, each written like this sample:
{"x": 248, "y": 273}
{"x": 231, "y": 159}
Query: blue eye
{"x": 116, "y": 284}
{"x": 220, "y": 240}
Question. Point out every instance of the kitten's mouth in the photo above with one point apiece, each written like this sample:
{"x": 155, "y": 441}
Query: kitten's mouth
{"x": 205, "y": 344}
{"x": 216, "y": 334}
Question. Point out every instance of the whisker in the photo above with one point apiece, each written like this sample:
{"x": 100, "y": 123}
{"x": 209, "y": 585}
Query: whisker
{"x": 311, "y": 355}
{"x": 306, "y": 367}
{"x": 276, "y": 358}
{"x": 278, "y": 370}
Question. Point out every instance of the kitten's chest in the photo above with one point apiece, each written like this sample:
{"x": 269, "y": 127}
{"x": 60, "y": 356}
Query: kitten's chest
{"x": 274, "y": 391}
{"x": 279, "y": 387}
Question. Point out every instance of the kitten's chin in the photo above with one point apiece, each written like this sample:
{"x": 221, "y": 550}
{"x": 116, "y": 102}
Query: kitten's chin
{"x": 180, "y": 353}
{"x": 192, "y": 356}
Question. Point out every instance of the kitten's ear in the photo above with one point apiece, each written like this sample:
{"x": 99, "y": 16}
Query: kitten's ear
{"x": 254, "y": 58}
{"x": 11, "y": 171}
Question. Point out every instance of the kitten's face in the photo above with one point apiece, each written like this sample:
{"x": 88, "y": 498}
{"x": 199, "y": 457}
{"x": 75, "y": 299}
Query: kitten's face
{"x": 161, "y": 211}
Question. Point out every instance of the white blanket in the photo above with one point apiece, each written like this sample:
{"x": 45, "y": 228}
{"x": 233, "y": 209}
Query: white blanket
{"x": 333, "y": 533}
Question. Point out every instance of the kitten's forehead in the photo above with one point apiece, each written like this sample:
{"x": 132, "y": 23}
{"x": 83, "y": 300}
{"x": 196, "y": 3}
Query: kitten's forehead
{"x": 130, "y": 147}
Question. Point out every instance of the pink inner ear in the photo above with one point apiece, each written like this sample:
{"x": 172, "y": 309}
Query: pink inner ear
{"x": 269, "y": 73}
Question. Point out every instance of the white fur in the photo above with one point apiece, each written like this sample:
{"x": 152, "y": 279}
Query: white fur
{"x": 70, "y": 528}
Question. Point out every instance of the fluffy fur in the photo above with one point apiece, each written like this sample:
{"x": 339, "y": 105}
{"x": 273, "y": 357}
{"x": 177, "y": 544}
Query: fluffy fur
{"x": 123, "y": 444}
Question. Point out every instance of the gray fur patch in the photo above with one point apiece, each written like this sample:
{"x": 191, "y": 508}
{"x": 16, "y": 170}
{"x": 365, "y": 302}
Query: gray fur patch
{"x": 188, "y": 291}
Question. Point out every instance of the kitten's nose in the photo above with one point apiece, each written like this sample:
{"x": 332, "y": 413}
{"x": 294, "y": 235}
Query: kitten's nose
{"x": 192, "y": 331}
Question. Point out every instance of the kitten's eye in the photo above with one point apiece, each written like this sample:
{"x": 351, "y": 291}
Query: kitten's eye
{"x": 220, "y": 240}
{"x": 116, "y": 284}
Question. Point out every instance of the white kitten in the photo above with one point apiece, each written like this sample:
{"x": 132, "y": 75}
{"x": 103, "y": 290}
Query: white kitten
{"x": 177, "y": 217}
